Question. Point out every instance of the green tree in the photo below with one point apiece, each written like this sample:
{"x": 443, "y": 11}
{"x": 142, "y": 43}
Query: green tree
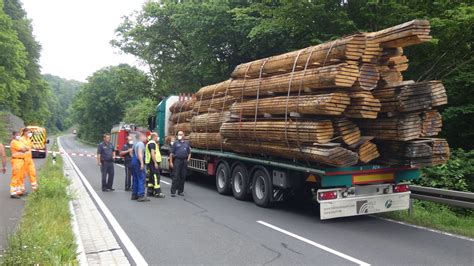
{"x": 13, "y": 60}
{"x": 139, "y": 111}
{"x": 34, "y": 103}
{"x": 101, "y": 102}
{"x": 60, "y": 100}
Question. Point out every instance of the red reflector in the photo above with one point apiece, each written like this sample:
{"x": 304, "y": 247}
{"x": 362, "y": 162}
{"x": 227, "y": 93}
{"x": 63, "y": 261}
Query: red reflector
{"x": 401, "y": 188}
{"x": 327, "y": 195}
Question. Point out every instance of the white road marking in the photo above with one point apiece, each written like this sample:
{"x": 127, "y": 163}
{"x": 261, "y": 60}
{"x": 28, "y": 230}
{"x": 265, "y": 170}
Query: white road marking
{"x": 330, "y": 250}
{"x": 119, "y": 165}
{"x": 131, "y": 248}
{"x": 425, "y": 228}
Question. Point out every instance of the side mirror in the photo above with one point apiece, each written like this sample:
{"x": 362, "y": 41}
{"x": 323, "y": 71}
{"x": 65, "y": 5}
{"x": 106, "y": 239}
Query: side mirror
{"x": 47, "y": 141}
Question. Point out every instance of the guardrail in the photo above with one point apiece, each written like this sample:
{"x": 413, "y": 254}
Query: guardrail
{"x": 445, "y": 196}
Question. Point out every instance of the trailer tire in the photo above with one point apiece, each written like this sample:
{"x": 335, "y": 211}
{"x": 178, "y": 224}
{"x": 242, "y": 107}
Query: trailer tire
{"x": 223, "y": 178}
{"x": 262, "y": 188}
{"x": 240, "y": 182}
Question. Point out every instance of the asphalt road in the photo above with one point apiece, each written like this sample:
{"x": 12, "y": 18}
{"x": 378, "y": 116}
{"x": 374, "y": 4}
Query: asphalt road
{"x": 207, "y": 228}
{"x": 11, "y": 209}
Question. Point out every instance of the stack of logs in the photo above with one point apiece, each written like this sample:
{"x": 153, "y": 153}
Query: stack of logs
{"x": 338, "y": 103}
{"x": 181, "y": 114}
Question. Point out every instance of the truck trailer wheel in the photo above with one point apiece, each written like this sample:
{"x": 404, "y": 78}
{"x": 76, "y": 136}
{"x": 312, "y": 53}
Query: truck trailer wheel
{"x": 223, "y": 178}
{"x": 262, "y": 188}
{"x": 240, "y": 182}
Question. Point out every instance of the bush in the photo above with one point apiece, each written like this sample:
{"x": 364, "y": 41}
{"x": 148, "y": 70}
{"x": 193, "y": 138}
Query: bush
{"x": 456, "y": 174}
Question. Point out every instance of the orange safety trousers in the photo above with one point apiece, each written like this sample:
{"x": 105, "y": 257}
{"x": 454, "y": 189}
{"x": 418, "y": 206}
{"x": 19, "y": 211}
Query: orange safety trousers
{"x": 18, "y": 177}
{"x": 29, "y": 167}
{"x": 30, "y": 171}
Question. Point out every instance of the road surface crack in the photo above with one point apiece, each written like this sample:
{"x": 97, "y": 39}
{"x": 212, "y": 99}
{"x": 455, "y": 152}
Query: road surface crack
{"x": 278, "y": 254}
{"x": 203, "y": 210}
{"x": 223, "y": 225}
{"x": 292, "y": 250}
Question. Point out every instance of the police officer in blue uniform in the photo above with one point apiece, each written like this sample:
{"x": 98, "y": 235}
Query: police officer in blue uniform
{"x": 180, "y": 154}
{"x": 105, "y": 159}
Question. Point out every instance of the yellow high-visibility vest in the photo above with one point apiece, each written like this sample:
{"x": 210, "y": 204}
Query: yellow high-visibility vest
{"x": 148, "y": 154}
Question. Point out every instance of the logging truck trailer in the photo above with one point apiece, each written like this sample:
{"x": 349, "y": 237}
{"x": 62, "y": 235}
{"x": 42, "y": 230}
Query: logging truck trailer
{"x": 339, "y": 191}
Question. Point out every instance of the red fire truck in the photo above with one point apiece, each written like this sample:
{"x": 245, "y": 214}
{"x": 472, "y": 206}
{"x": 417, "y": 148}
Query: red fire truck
{"x": 119, "y": 134}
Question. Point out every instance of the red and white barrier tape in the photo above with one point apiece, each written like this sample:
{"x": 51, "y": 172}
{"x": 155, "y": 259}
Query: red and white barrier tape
{"x": 54, "y": 153}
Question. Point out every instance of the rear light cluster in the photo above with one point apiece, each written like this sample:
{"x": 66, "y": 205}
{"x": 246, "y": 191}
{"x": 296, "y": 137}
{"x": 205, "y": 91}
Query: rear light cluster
{"x": 401, "y": 188}
{"x": 327, "y": 195}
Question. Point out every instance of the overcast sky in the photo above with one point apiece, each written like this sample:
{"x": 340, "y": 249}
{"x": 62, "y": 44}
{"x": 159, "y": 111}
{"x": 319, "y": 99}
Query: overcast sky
{"x": 75, "y": 34}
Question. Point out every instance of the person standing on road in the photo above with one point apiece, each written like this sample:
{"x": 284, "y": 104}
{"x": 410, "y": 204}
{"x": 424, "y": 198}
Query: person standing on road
{"x": 180, "y": 155}
{"x": 138, "y": 168}
{"x": 3, "y": 155}
{"x": 18, "y": 150}
{"x": 105, "y": 159}
{"x": 126, "y": 152}
{"x": 153, "y": 160}
{"x": 29, "y": 168}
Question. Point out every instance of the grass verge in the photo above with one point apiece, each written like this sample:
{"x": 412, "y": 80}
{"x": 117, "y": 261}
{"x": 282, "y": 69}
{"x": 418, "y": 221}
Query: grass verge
{"x": 437, "y": 216}
{"x": 44, "y": 235}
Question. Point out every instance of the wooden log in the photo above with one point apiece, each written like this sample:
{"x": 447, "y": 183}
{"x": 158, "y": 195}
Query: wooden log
{"x": 185, "y": 127}
{"x": 349, "y": 48}
{"x": 438, "y": 93}
{"x": 214, "y": 105}
{"x": 366, "y": 149}
{"x": 405, "y": 97}
{"x": 431, "y": 123}
{"x": 416, "y": 153}
{"x": 363, "y": 105}
{"x": 404, "y": 127}
{"x": 347, "y": 130}
{"x": 403, "y": 35}
{"x": 209, "y": 122}
{"x": 333, "y": 76}
{"x": 335, "y": 156}
{"x": 206, "y": 140}
{"x": 181, "y": 117}
{"x": 213, "y": 91}
{"x": 369, "y": 76}
{"x": 182, "y": 106}
{"x": 320, "y": 131}
{"x": 324, "y": 104}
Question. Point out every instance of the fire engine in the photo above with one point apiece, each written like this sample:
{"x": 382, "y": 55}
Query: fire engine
{"x": 119, "y": 134}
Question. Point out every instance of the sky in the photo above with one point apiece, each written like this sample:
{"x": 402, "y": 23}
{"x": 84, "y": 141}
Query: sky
{"x": 75, "y": 34}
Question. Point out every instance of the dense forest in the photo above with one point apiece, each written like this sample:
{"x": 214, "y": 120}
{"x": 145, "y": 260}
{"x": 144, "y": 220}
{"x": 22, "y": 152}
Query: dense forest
{"x": 37, "y": 99}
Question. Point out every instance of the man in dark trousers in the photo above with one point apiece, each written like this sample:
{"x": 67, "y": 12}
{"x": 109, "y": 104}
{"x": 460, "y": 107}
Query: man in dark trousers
{"x": 179, "y": 158}
{"x": 126, "y": 152}
{"x": 105, "y": 159}
{"x": 152, "y": 161}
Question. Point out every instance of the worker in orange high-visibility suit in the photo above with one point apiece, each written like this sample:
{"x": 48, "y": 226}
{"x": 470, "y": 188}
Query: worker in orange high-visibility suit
{"x": 29, "y": 166}
{"x": 18, "y": 152}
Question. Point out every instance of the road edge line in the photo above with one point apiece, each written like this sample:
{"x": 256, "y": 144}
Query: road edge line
{"x": 126, "y": 241}
{"x": 425, "y": 228}
{"x": 320, "y": 246}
